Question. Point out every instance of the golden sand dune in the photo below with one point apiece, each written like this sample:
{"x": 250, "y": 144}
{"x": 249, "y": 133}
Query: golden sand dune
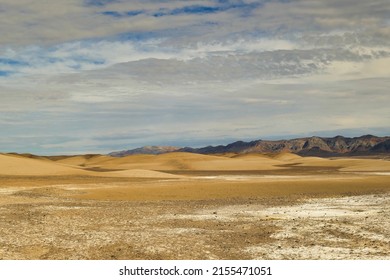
{"x": 247, "y": 163}
{"x": 222, "y": 162}
{"x": 32, "y": 156}
{"x": 179, "y": 161}
{"x": 16, "y": 165}
{"x": 74, "y": 160}
{"x": 227, "y": 154}
{"x": 103, "y": 161}
{"x": 80, "y": 160}
{"x": 287, "y": 157}
{"x": 98, "y": 159}
{"x": 365, "y": 165}
{"x": 250, "y": 156}
{"x": 138, "y": 173}
{"x": 345, "y": 164}
{"x": 147, "y": 165}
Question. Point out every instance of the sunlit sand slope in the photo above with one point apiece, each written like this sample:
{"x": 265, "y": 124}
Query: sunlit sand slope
{"x": 15, "y": 165}
{"x": 189, "y": 161}
{"x": 137, "y": 173}
{"x": 83, "y": 160}
{"x": 344, "y": 164}
{"x": 19, "y": 166}
{"x": 180, "y": 161}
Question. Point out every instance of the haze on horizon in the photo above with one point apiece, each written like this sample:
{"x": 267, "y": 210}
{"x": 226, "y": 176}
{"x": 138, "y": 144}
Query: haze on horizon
{"x": 81, "y": 76}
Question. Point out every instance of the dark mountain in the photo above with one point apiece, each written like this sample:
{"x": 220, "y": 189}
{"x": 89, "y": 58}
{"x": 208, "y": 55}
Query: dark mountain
{"x": 236, "y": 147}
{"x": 308, "y": 146}
{"x": 149, "y": 150}
{"x": 382, "y": 147}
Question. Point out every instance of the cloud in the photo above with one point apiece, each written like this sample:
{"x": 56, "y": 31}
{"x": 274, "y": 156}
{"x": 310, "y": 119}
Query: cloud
{"x": 263, "y": 57}
{"x": 123, "y": 14}
{"x": 37, "y": 23}
{"x": 100, "y": 3}
{"x": 78, "y": 76}
{"x": 5, "y": 73}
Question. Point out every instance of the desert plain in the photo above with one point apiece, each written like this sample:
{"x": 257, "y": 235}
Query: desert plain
{"x": 193, "y": 206}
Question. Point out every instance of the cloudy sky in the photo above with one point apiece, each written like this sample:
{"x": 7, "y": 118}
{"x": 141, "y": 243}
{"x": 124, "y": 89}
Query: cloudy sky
{"x": 83, "y": 76}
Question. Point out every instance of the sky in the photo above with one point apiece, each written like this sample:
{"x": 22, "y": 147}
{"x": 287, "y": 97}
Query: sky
{"x": 96, "y": 76}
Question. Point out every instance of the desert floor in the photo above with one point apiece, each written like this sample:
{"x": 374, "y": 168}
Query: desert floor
{"x": 187, "y": 206}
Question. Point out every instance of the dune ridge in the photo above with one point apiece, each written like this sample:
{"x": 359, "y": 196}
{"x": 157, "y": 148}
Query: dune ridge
{"x": 160, "y": 166}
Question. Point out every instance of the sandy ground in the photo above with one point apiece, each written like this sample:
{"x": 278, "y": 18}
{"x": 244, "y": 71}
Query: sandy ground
{"x": 194, "y": 207}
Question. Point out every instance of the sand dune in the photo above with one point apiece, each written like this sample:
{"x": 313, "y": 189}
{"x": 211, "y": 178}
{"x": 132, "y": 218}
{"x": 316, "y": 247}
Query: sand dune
{"x": 80, "y": 160}
{"x": 250, "y": 156}
{"x": 247, "y": 163}
{"x": 16, "y": 165}
{"x": 346, "y": 164}
{"x": 32, "y": 156}
{"x": 148, "y": 165}
{"x": 364, "y": 165}
{"x": 287, "y": 157}
{"x": 179, "y": 161}
{"x": 138, "y": 173}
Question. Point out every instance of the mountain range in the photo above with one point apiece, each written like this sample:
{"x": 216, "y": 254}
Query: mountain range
{"x": 307, "y": 146}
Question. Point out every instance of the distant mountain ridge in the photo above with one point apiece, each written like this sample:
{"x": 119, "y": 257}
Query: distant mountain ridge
{"x": 146, "y": 150}
{"x": 306, "y": 146}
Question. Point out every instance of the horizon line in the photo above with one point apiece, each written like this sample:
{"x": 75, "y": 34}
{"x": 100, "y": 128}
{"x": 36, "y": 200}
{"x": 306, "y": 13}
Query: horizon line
{"x": 183, "y": 147}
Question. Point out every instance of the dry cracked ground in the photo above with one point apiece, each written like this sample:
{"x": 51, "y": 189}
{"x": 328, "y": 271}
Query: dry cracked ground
{"x": 280, "y": 216}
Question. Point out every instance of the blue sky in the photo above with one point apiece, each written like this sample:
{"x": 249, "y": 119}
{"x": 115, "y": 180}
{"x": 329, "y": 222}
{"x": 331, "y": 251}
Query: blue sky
{"x": 95, "y": 76}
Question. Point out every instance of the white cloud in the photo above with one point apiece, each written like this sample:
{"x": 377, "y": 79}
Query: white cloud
{"x": 77, "y": 80}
